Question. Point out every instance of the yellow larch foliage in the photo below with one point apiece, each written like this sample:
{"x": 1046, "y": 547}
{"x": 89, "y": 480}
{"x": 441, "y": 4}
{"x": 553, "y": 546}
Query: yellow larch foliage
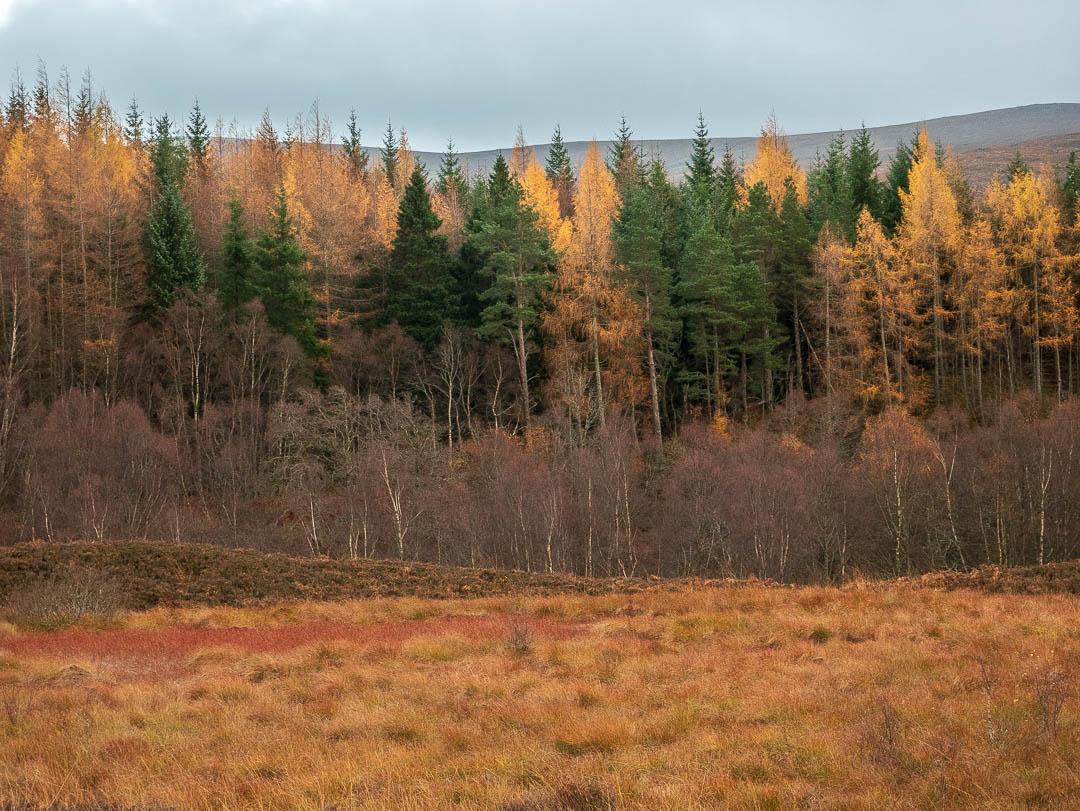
{"x": 773, "y": 165}
{"x": 540, "y": 195}
{"x": 384, "y": 208}
{"x": 593, "y": 324}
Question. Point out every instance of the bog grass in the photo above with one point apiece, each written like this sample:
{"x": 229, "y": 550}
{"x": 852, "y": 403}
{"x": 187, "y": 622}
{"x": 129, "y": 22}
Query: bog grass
{"x": 742, "y": 697}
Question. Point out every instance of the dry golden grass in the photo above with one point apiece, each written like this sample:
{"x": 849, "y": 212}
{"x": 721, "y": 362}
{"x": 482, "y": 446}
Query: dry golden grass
{"x": 743, "y": 697}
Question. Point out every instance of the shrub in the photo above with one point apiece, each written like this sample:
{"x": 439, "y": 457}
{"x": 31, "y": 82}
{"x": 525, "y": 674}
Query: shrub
{"x": 65, "y": 597}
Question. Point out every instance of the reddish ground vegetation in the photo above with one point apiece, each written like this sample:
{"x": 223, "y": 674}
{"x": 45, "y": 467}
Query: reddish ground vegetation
{"x": 180, "y": 642}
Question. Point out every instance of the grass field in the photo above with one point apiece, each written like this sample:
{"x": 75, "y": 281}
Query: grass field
{"x": 735, "y": 696}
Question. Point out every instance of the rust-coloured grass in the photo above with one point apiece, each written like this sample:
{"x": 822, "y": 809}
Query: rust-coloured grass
{"x": 738, "y": 697}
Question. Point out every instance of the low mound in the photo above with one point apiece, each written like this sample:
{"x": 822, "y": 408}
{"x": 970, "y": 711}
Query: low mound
{"x": 1051, "y": 578}
{"x": 144, "y": 574}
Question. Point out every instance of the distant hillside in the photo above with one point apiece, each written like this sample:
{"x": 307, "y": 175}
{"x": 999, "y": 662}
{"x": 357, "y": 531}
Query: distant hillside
{"x": 1036, "y": 130}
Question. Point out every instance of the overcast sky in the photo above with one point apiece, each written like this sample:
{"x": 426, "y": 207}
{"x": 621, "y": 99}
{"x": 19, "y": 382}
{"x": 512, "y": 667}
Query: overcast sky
{"x": 474, "y": 69}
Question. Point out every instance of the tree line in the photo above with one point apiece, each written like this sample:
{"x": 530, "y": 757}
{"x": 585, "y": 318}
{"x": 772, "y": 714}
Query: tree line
{"x": 290, "y": 341}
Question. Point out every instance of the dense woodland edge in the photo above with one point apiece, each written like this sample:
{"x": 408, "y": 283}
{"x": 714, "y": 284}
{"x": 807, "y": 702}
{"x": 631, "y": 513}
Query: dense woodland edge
{"x": 281, "y": 341}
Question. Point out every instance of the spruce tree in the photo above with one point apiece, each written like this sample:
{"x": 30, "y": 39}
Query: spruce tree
{"x": 472, "y": 271}
{"x": 512, "y": 248}
{"x": 450, "y": 174}
{"x": 701, "y": 169}
{"x": 17, "y": 111}
{"x": 1070, "y": 189}
{"x": 355, "y": 154}
{"x": 419, "y": 285}
{"x": 389, "y": 152}
{"x": 133, "y": 123}
{"x": 283, "y": 284}
{"x": 642, "y": 272}
{"x": 895, "y": 180}
{"x": 727, "y": 190}
{"x": 237, "y": 280}
{"x": 829, "y": 190}
{"x": 703, "y": 296}
{"x": 561, "y": 173}
{"x": 625, "y": 162}
{"x": 863, "y": 183}
{"x": 173, "y": 258}
{"x": 198, "y": 135}
{"x": 1017, "y": 166}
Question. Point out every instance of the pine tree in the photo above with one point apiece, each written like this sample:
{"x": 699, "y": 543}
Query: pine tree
{"x": 283, "y": 284}
{"x": 198, "y": 135}
{"x": 237, "y": 280}
{"x": 796, "y": 242}
{"x": 355, "y": 153}
{"x": 173, "y": 258}
{"x": 701, "y": 169}
{"x": 561, "y": 173}
{"x": 389, "y": 152}
{"x": 516, "y": 258}
{"x": 419, "y": 295}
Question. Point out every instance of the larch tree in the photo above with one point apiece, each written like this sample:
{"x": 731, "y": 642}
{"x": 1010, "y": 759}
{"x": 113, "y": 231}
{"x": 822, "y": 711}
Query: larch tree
{"x": 583, "y": 301}
{"x": 928, "y": 237}
{"x": 774, "y": 165}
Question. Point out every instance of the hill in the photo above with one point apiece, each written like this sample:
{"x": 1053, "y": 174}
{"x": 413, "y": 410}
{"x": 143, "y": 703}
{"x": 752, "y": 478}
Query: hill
{"x": 1035, "y": 130}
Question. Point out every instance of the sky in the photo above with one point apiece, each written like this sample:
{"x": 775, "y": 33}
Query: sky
{"x": 475, "y": 70}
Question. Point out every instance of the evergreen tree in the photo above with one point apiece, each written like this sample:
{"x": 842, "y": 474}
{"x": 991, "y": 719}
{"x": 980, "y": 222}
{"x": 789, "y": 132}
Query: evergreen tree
{"x": 419, "y": 283}
{"x": 133, "y": 123}
{"x": 561, "y": 173}
{"x": 450, "y": 174}
{"x": 283, "y": 284}
{"x": 355, "y": 154}
{"x": 625, "y": 161}
{"x": 472, "y": 271}
{"x": 757, "y": 238}
{"x": 727, "y": 190}
{"x": 796, "y": 243}
{"x": 703, "y": 297}
{"x": 829, "y": 190}
{"x": 237, "y": 279}
{"x": 701, "y": 169}
{"x": 638, "y": 242}
{"x": 173, "y": 258}
{"x": 198, "y": 135}
{"x": 1070, "y": 189}
{"x": 863, "y": 183}
{"x": 17, "y": 111}
{"x": 896, "y": 180}
{"x": 389, "y": 152}
{"x": 1017, "y": 166}
{"x": 513, "y": 249}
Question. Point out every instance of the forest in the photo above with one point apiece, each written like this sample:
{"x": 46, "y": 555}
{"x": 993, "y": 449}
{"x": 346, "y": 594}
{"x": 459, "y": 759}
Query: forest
{"x": 291, "y": 342}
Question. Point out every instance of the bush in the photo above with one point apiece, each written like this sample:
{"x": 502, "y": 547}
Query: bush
{"x": 65, "y": 597}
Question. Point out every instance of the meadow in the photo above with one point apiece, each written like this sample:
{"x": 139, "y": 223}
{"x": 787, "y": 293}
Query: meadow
{"x": 740, "y": 696}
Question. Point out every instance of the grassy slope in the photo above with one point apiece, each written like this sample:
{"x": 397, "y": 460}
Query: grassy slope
{"x": 737, "y": 696}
